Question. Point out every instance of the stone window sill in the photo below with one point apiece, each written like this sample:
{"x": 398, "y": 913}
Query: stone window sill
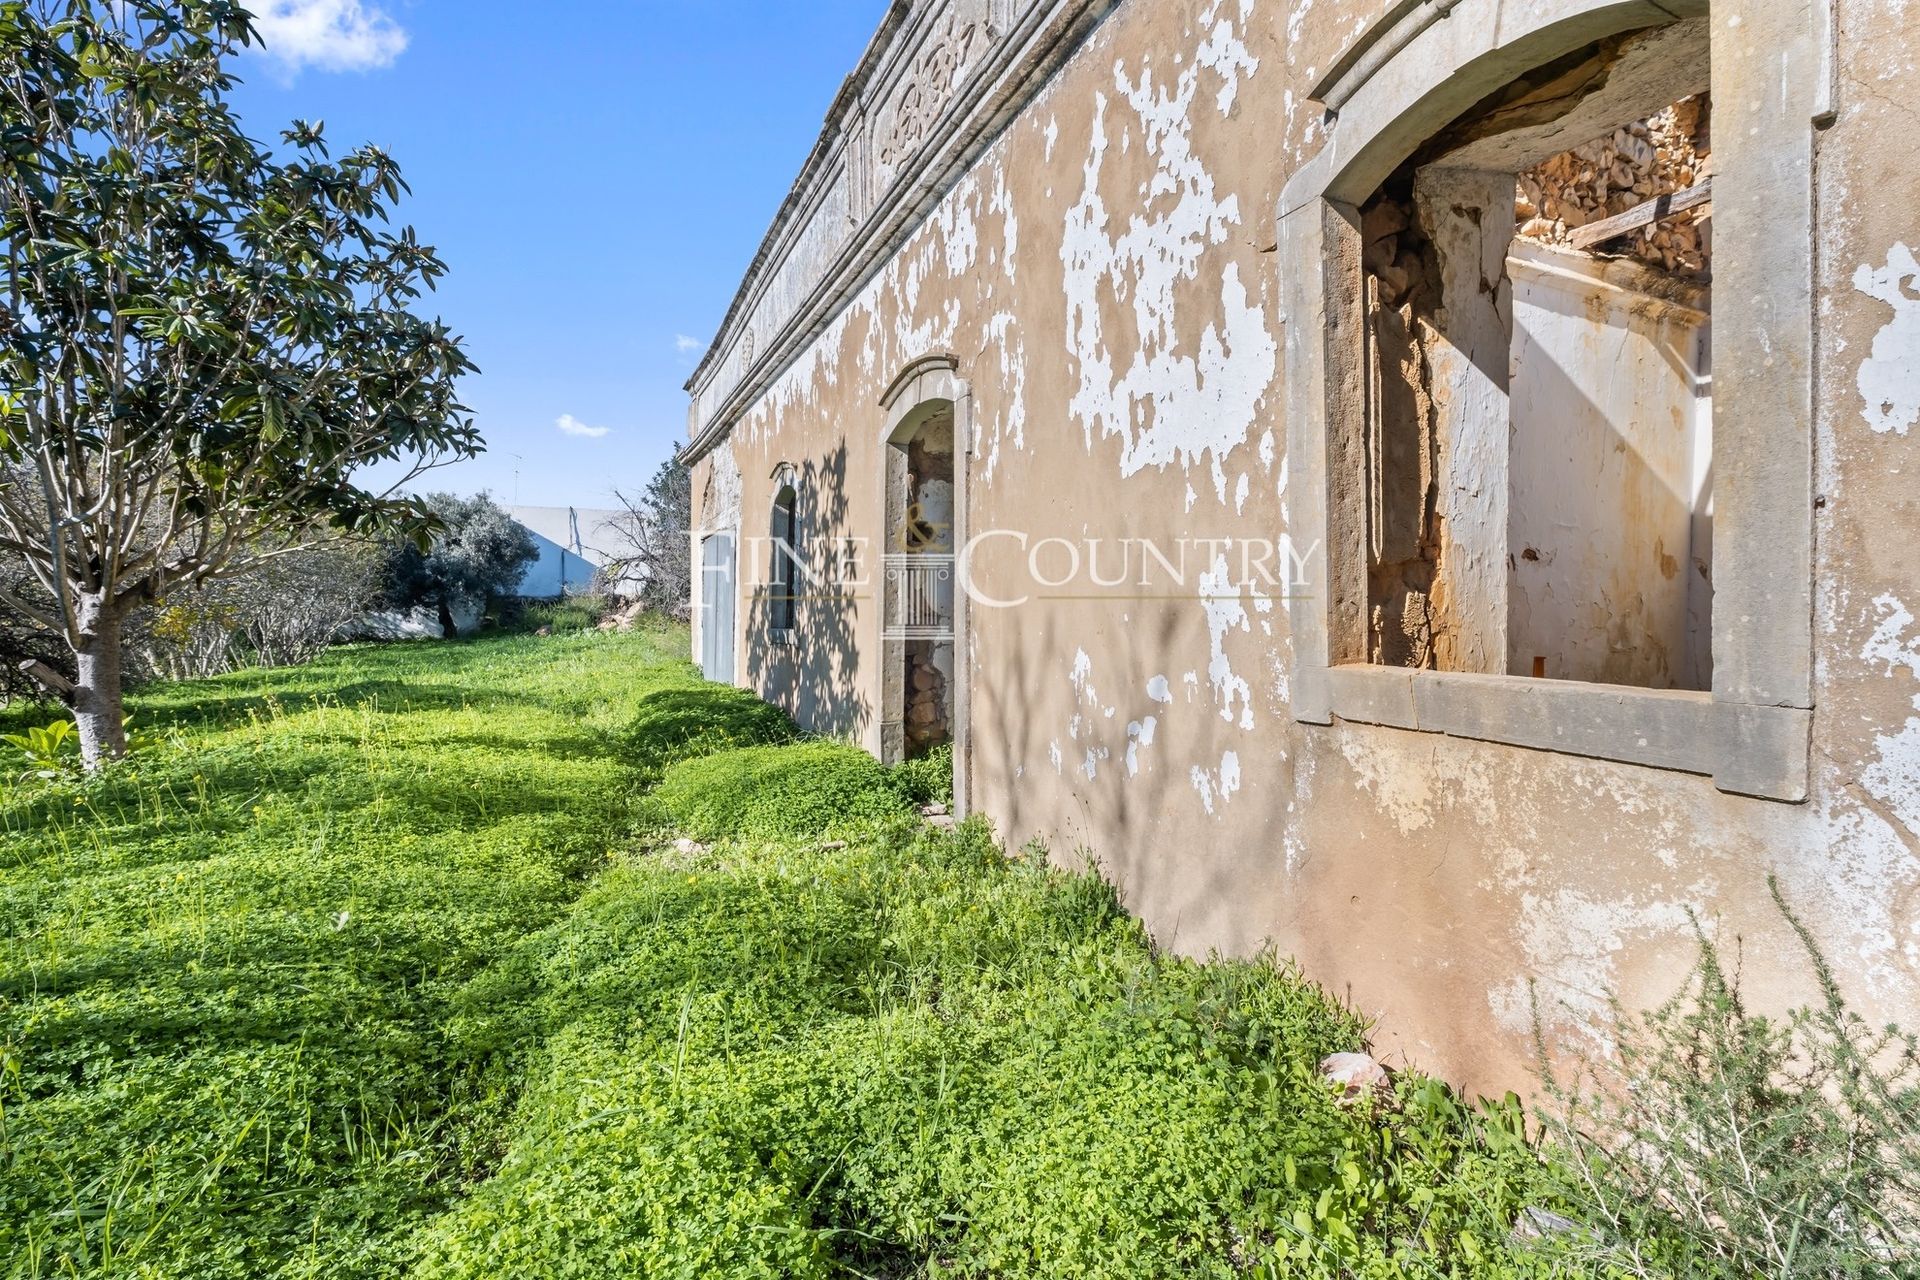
{"x": 1747, "y": 750}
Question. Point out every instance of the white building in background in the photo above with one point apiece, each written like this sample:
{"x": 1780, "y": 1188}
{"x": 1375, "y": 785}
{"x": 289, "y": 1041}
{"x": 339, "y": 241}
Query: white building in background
{"x": 576, "y": 543}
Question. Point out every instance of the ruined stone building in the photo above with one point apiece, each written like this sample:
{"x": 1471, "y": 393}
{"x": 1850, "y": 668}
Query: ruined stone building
{"x": 1424, "y": 484}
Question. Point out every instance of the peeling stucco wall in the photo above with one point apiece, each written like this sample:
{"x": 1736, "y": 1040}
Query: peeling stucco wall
{"x": 1103, "y": 277}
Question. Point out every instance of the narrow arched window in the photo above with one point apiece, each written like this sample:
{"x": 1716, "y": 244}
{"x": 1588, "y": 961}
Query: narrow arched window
{"x": 784, "y": 575}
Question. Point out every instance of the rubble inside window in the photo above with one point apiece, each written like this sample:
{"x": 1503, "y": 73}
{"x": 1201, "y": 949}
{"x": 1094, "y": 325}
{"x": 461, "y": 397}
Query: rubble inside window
{"x": 1539, "y": 445}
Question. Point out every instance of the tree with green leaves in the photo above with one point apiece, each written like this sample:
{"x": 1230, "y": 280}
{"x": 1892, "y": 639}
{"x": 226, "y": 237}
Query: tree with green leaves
{"x": 478, "y": 554}
{"x": 204, "y": 342}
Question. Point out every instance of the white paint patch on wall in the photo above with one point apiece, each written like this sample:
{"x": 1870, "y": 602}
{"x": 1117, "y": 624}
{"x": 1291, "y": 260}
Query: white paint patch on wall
{"x": 1894, "y": 779}
{"x": 1010, "y": 429}
{"x": 1225, "y": 54}
{"x": 1854, "y": 866}
{"x": 1139, "y": 737}
{"x": 1166, "y": 406}
{"x": 1087, "y": 699}
{"x": 1091, "y": 765}
{"x": 1889, "y": 378}
{"x": 1573, "y": 941}
{"x": 1404, "y": 795}
{"x": 1002, "y": 204}
{"x": 1416, "y": 779}
{"x": 1082, "y": 674}
{"x": 1221, "y": 601}
{"x": 1221, "y": 782}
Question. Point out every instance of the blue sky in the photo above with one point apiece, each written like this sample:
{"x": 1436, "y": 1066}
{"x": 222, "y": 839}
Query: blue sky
{"x": 597, "y": 175}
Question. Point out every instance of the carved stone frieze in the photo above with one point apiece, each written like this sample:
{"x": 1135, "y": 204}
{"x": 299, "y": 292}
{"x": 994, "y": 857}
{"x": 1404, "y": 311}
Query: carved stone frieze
{"x": 948, "y": 53}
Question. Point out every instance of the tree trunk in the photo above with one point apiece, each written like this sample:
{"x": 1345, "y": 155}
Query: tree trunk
{"x": 448, "y": 629}
{"x": 97, "y": 698}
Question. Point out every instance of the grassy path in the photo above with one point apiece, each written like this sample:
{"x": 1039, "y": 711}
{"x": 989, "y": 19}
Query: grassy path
{"x": 225, "y": 974}
{"x": 390, "y": 966}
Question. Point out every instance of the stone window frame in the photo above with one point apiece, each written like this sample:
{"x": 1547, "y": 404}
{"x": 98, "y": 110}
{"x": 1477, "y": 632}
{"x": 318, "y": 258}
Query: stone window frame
{"x": 1424, "y": 64}
{"x": 786, "y": 480}
{"x": 921, "y": 384}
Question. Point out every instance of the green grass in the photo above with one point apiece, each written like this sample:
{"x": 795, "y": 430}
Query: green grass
{"x": 911, "y": 1056}
{"x": 227, "y": 969}
{"x": 673, "y": 725}
{"x": 389, "y": 967}
{"x": 779, "y": 792}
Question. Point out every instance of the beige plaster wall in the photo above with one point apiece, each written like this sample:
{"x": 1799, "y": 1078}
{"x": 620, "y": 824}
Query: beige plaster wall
{"x": 1105, "y": 278}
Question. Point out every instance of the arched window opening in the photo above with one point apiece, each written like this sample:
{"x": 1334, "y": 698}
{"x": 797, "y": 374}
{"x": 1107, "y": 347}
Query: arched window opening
{"x": 920, "y": 577}
{"x": 784, "y": 577}
{"x": 1526, "y": 468}
{"x": 1539, "y": 439}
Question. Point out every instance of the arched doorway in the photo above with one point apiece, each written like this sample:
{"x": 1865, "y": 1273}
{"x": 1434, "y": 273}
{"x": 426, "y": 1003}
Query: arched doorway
{"x": 923, "y": 642}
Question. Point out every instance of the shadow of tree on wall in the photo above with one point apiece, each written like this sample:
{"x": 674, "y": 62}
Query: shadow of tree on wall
{"x": 1032, "y": 661}
{"x": 1198, "y": 880}
{"x": 816, "y": 679}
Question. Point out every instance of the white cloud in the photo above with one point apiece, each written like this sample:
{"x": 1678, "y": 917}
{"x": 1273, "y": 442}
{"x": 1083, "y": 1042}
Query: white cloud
{"x": 685, "y": 345}
{"x": 572, "y": 426}
{"x": 334, "y": 35}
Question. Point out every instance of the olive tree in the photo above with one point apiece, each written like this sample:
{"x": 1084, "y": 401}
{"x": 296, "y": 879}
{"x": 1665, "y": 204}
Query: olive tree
{"x": 204, "y": 342}
{"x": 478, "y": 554}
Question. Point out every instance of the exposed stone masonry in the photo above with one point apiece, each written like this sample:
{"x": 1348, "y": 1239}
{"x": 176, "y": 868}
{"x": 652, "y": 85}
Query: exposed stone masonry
{"x": 1404, "y": 526}
{"x": 927, "y": 702}
{"x": 1667, "y": 152}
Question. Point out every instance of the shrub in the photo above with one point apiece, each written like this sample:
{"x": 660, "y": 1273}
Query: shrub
{"x": 929, "y": 779}
{"x": 1719, "y": 1143}
{"x": 779, "y": 792}
{"x": 478, "y": 555}
{"x": 284, "y": 611}
{"x": 679, "y": 724}
{"x": 571, "y": 613}
{"x": 45, "y": 752}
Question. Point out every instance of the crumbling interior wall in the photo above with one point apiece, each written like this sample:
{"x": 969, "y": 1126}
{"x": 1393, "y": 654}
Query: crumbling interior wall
{"x": 1403, "y": 445}
{"x": 929, "y": 695}
{"x": 1539, "y": 447}
{"x": 1438, "y": 309}
{"x": 1669, "y": 151}
{"x": 1611, "y": 518}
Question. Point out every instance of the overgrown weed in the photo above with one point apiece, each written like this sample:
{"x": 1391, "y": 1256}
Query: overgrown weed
{"x": 1717, "y": 1142}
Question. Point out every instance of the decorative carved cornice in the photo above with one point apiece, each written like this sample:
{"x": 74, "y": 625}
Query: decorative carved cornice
{"x": 936, "y": 85}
